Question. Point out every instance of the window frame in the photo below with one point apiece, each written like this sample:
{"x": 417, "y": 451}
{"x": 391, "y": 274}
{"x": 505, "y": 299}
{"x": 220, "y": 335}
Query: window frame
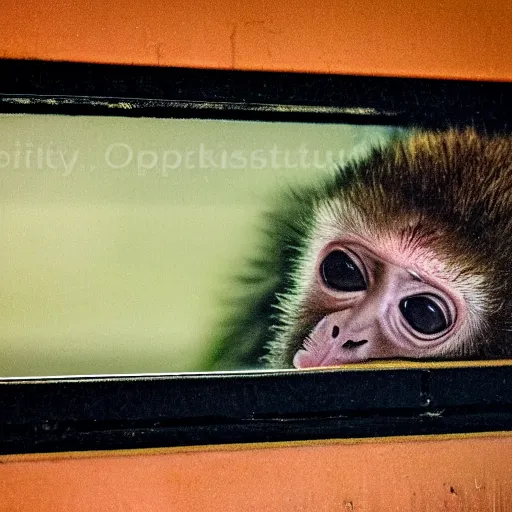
{"x": 122, "y": 412}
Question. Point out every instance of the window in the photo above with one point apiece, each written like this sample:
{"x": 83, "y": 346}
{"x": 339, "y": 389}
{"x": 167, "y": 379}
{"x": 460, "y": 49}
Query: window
{"x": 133, "y": 201}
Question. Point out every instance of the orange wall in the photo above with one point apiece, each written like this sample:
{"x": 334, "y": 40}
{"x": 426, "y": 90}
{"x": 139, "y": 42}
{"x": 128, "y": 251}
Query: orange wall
{"x": 417, "y": 38}
{"x": 459, "y": 474}
{"x": 458, "y": 38}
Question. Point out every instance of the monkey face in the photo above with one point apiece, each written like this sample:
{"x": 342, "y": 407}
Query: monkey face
{"x": 378, "y": 304}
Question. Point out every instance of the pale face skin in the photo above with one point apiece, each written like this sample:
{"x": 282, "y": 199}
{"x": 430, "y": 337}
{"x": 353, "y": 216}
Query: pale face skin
{"x": 378, "y": 304}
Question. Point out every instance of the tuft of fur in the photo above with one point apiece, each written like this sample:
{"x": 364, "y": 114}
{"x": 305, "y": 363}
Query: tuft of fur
{"x": 457, "y": 185}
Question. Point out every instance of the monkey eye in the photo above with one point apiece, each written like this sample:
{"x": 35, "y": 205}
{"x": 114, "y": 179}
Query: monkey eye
{"x": 341, "y": 273}
{"x": 425, "y": 314}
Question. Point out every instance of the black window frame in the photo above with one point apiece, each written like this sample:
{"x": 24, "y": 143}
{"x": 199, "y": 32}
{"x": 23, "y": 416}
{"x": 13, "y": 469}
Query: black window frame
{"x": 124, "y": 412}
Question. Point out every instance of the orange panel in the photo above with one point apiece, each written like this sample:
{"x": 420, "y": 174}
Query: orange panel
{"x": 450, "y": 474}
{"x": 414, "y": 38}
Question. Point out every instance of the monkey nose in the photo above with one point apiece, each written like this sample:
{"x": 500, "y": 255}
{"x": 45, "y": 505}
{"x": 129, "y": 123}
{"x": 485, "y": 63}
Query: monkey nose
{"x": 349, "y": 343}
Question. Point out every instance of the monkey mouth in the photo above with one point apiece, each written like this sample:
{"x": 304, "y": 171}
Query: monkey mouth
{"x": 353, "y": 344}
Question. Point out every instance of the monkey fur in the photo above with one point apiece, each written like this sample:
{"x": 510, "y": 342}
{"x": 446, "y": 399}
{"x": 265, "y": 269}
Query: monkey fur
{"x": 445, "y": 198}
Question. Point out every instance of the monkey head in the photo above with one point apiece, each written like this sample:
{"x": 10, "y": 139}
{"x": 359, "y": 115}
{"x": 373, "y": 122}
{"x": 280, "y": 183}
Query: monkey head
{"x": 382, "y": 299}
{"x": 406, "y": 254}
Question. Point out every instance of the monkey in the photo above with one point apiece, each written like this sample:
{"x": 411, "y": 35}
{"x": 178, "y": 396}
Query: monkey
{"x": 405, "y": 253}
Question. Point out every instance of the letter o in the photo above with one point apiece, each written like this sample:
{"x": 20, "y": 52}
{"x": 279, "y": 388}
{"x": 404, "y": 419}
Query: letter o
{"x": 112, "y": 147}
